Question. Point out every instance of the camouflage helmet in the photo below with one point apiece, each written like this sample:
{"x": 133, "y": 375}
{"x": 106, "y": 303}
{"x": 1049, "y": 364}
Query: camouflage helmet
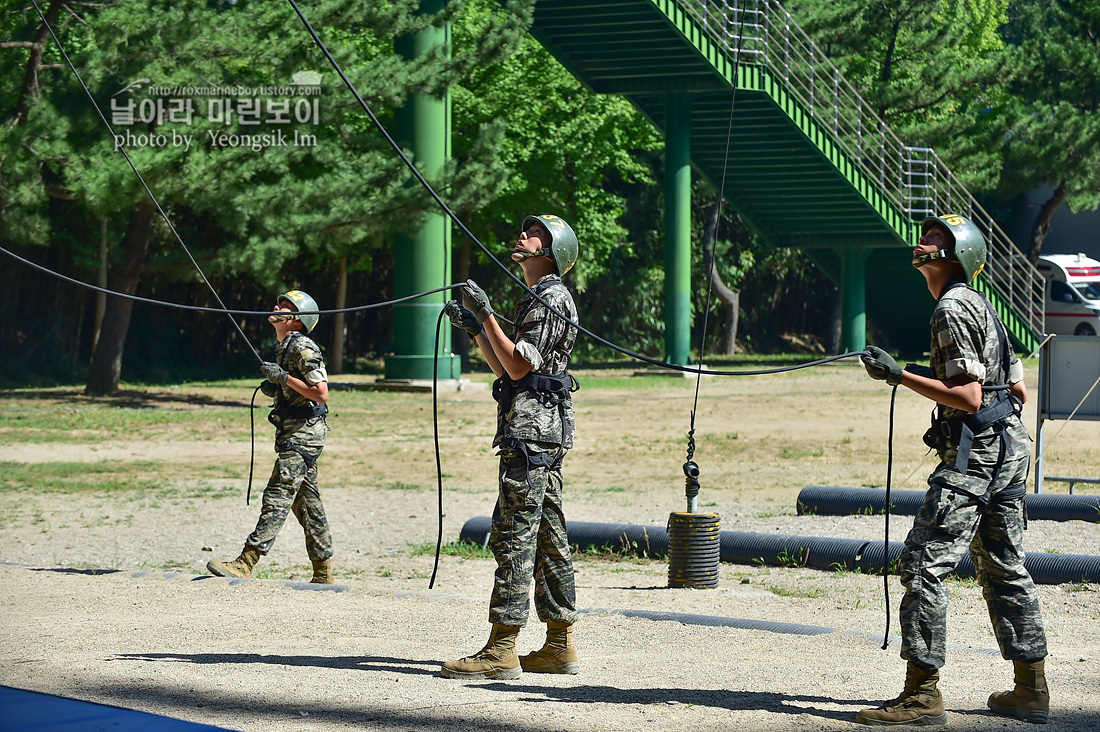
{"x": 563, "y": 242}
{"x": 306, "y": 305}
{"x": 969, "y": 246}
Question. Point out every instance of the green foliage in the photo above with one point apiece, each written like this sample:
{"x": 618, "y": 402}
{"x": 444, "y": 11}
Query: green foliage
{"x": 1052, "y": 113}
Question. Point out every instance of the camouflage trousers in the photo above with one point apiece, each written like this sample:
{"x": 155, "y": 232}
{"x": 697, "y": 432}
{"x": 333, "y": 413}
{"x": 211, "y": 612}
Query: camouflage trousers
{"x": 948, "y": 524}
{"x": 528, "y": 539}
{"x": 293, "y": 487}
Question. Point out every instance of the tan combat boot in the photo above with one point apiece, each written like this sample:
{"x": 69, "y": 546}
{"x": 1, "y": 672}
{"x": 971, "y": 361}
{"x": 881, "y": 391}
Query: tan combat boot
{"x": 557, "y": 656}
{"x": 497, "y": 660}
{"x": 239, "y": 567}
{"x": 919, "y": 703}
{"x": 322, "y": 572}
{"x": 1030, "y": 700}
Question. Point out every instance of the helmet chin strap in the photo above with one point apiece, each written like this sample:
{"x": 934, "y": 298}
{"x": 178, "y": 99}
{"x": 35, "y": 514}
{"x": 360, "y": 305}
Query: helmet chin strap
{"x": 527, "y": 255}
{"x": 923, "y": 259}
{"x": 282, "y": 318}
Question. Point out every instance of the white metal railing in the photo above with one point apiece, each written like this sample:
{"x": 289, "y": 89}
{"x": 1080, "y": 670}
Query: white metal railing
{"x": 913, "y": 178}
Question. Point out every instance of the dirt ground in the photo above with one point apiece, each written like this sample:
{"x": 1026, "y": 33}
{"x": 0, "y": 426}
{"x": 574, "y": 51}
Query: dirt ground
{"x": 112, "y": 507}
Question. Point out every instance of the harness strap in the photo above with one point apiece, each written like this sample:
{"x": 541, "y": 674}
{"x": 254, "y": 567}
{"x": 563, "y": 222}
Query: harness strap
{"x": 310, "y": 460}
{"x": 536, "y": 459}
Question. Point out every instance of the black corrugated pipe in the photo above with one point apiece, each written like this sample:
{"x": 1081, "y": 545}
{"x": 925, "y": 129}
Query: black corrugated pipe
{"x": 741, "y": 547}
{"x": 824, "y": 500}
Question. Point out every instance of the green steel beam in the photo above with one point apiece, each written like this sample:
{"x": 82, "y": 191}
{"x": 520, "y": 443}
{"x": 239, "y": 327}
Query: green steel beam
{"x": 678, "y": 230}
{"x": 422, "y": 261}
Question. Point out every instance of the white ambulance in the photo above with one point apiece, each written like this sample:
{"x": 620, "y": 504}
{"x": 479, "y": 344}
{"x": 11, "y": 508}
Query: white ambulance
{"x": 1072, "y": 294}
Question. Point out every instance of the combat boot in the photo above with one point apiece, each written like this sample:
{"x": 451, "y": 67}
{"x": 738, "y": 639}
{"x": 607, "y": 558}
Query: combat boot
{"x": 322, "y": 572}
{"x": 919, "y": 703}
{"x": 239, "y": 567}
{"x": 557, "y": 656}
{"x": 1030, "y": 700}
{"x": 497, "y": 660}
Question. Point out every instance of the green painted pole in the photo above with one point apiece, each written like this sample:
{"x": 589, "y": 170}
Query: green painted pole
{"x": 853, "y": 298}
{"x": 423, "y": 261}
{"x": 678, "y": 229}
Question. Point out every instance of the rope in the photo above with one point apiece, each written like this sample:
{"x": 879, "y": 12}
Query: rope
{"x": 714, "y": 239}
{"x": 435, "y": 435}
{"x": 201, "y": 309}
{"x": 122, "y": 148}
{"x": 886, "y": 509}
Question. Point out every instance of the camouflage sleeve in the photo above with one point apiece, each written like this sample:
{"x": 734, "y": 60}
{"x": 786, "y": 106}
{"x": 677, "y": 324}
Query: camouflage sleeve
{"x": 309, "y": 363}
{"x": 959, "y": 338}
{"x": 541, "y": 330}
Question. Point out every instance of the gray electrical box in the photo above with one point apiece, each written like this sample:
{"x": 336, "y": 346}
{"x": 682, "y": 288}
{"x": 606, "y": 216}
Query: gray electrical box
{"x": 1069, "y": 386}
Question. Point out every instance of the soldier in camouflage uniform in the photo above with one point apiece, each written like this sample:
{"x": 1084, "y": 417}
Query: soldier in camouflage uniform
{"x": 298, "y": 382}
{"x": 975, "y": 498}
{"x": 534, "y": 432}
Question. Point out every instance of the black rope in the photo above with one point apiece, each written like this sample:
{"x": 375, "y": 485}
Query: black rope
{"x": 202, "y": 309}
{"x": 435, "y": 433}
{"x": 714, "y": 239}
{"x": 886, "y": 537}
{"x": 122, "y": 148}
{"x": 465, "y": 230}
{"x": 252, "y": 435}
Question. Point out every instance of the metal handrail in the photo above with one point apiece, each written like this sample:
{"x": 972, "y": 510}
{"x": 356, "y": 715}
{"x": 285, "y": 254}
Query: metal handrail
{"x": 914, "y": 179}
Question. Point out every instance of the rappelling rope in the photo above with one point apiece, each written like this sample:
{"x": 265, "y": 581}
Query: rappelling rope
{"x": 202, "y": 309}
{"x": 886, "y": 510}
{"x": 122, "y": 148}
{"x": 714, "y": 238}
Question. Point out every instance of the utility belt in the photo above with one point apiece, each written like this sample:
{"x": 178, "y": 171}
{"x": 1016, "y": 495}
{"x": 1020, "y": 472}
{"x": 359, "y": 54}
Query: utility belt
{"x": 960, "y": 432}
{"x": 550, "y": 390}
{"x": 284, "y": 411}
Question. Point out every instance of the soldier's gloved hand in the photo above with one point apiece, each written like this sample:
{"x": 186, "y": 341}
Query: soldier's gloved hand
{"x": 476, "y": 301}
{"x": 462, "y": 318}
{"x": 274, "y": 372}
{"x": 270, "y": 389}
{"x": 881, "y": 365}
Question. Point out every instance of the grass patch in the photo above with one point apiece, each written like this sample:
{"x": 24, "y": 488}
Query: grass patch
{"x": 101, "y": 477}
{"x": 399, "y": 485}
{"x": 462, "y": 549}
{"x": 794, "y": 592}
{"x": 812, "y": 452}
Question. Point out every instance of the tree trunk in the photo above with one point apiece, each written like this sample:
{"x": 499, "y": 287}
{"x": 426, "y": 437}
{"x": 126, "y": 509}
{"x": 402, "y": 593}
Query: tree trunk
{"x": 339, "y": 320}
{"x": 34, "y": 65}
{"x": 100, "y": 297}
{"x": 730, "y": 298}
{"x": 105, "y": 370}
{"x": 1041, "y": 227}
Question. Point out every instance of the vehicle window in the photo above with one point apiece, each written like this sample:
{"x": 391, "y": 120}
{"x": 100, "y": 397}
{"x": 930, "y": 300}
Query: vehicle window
{"x": 1088, "y": 290}
{"x": 1061, "y": 292}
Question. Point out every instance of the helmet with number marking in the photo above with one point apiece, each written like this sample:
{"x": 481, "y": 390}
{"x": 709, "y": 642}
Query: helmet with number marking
{"x": 306, "y": 305}
{"x": 564, "y": 247}
{"x": 967, "y": 243}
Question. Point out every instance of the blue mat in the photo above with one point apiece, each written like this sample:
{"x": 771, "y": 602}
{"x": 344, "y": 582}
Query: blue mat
{"x": 30, "y": 711}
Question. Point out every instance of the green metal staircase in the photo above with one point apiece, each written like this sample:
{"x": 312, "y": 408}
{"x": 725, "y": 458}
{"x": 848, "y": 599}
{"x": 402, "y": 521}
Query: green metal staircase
{"x": 809, "y": 164}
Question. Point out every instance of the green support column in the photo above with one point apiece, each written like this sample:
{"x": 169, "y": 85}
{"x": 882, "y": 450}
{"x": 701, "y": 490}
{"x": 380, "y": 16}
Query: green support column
{"x": 423, "y": 261}
{"x": 678, "y": 229}
{"x": 853, "y": 299}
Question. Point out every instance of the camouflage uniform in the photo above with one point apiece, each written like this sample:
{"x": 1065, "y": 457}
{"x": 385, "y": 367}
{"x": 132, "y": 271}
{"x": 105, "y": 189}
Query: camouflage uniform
{"x": 982, "y": 510}
{"x": 298, "y": 442}
{"x": 528, "y": 535}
